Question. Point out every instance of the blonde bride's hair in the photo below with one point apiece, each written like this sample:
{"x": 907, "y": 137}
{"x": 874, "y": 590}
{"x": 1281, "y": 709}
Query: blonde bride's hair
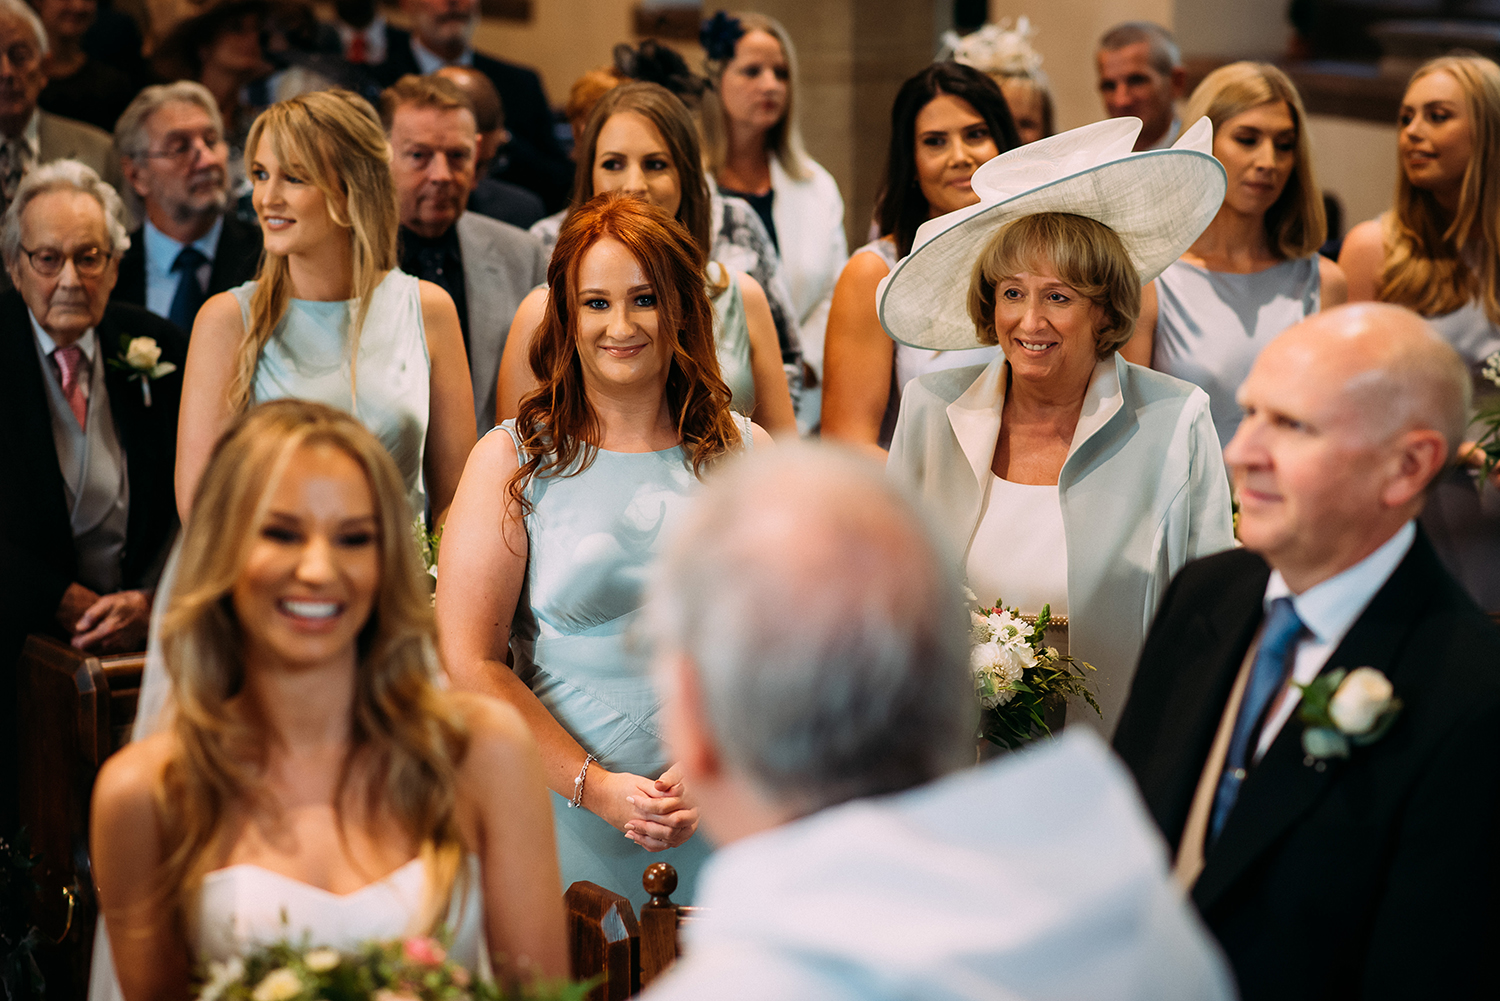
{"x": 407, "y": 739}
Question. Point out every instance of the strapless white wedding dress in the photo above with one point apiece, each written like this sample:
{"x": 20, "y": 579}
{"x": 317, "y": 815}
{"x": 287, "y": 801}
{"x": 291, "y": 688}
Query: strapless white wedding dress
{"x": 243, "y": 906}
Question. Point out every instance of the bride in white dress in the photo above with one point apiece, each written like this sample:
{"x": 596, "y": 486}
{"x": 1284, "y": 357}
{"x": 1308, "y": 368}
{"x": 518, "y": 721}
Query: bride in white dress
{"x": 313, "y": 779}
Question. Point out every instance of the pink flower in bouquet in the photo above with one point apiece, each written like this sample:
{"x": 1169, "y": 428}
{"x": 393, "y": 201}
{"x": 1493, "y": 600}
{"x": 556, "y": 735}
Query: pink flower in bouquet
{"x": 386, "y": 994}
{"x": 424, "y": 950}
{"x": 460, "y": 977}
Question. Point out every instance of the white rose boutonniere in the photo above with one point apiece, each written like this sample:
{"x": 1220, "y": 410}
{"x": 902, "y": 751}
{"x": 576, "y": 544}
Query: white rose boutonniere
{"x": 141, "y": 357}
{"x": 1344, "y": 709}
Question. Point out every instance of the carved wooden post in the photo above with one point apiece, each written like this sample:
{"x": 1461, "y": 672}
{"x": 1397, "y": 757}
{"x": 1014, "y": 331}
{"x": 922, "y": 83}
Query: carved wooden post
{"x": 658, "y": 921}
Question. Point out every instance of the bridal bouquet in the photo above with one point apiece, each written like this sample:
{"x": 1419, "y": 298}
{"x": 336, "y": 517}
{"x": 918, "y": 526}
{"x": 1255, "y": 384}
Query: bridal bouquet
{"x": 1017, "y": 676}
{"x": 411, "y": 969}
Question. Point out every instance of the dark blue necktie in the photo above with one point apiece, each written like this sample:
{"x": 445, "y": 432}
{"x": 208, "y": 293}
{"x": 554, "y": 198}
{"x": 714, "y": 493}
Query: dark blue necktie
{"x": 1267, "y": 675}
{"x": 189, "y": 297}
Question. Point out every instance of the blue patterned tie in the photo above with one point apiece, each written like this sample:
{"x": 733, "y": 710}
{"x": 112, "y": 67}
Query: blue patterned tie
{"x": 1267, "y": 675}
{"x": 189, "y": 297}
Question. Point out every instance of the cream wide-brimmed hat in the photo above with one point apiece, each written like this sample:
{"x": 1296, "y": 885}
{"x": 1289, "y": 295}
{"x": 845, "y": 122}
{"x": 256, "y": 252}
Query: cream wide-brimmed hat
{"x": 1158, "y": 201}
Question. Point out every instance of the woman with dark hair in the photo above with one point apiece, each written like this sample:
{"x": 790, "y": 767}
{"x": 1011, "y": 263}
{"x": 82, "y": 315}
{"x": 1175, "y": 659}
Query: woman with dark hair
{"x": 315, "y": 780}
{"x": 947, "y": 120}
{"x": 561, "y": 509}
{"x": 641, "y": 140}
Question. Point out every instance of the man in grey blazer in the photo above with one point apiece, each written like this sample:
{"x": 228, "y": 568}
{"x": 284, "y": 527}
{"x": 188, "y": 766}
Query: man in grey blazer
{"x": 29, "y": 136}
{"x": 487, "y": 266}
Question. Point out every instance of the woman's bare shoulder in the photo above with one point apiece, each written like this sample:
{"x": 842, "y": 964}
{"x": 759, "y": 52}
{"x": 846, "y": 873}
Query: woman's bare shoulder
{"x": 499, "y": 740}
{"x": 220, "y": 318}
{"x": 130, "y": 781}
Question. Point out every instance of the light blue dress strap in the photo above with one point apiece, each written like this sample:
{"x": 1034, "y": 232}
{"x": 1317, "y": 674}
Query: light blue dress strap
{"x": 509, "y": 427}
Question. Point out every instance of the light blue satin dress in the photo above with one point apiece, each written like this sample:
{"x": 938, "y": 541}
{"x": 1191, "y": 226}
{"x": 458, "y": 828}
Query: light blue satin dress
{"x": 307, "y": 358}
{"x": 732, "y": 339}
{"x": 592, "y": 538}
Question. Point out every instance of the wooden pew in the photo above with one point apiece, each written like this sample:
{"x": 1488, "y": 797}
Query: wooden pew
{"x": 75, "y": 709}
{"x": 605, "y": 939}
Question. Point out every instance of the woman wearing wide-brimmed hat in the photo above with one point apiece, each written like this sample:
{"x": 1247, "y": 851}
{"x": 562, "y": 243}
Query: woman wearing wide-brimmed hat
{"x": 1063, "y": 475}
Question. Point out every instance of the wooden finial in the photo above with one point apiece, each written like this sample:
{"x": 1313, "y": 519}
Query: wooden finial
{"x": 660, "y": 880}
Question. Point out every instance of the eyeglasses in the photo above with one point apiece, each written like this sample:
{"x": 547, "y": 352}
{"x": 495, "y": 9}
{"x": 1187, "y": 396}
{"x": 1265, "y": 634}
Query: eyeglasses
{"x": 89, "y": 262}
{"x": 180, "y": 147}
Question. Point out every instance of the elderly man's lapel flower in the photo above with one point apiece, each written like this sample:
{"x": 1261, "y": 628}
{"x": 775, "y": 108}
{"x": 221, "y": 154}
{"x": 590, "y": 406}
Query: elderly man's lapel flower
{"x": 1344, "y": 709}
{"x": 141, "y": 357}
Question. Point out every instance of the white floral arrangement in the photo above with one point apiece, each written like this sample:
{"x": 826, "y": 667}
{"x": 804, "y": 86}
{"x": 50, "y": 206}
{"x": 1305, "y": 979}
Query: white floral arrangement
{"x": 1017, "y": 677}
{"x": 997, "y": 48}
{"x": 410, "y": 969}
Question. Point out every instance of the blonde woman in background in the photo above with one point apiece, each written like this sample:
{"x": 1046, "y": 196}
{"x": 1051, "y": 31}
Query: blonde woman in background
{"x": 754, "y": 151}
{"x": 1006, "y": 55}
{"x": 315, "y": 781}
{"x": 1436, "y": 252}
{"x": 1256, "y": 269}
{"x": 329, "y": 317}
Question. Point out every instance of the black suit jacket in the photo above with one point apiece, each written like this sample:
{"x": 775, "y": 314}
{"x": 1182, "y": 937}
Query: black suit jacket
{"x": 235, "y": 262}
{"x": 36, "y": 538}
{"x": 532, "y": 159}
{"x": 1374, "y": 877}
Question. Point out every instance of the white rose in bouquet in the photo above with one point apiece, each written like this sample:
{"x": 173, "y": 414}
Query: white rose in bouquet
{"x": 143, "y": 353}
{"x": 1360, "y": 700}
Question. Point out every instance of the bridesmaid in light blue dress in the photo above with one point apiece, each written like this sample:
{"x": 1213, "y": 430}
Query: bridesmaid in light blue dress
{"x": 1256, "y": 270}
{"x": 559, "y": 516}
{"x": 328, "y": 318}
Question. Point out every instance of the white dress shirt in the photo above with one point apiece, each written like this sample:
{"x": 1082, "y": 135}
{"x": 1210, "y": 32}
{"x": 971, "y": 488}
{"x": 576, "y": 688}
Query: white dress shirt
{"x": 1327, "y": 610}
{"x": 430, "y": 62}
{"x": 1039, "y": 875}
{"x": 161, "y": 252}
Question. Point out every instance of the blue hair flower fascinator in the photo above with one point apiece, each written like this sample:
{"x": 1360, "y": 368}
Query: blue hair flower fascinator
{"x": 719, "y": 35}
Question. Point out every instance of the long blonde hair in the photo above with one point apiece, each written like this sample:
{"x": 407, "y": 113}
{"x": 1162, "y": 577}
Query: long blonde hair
{"x": 1296, "y": 225}
{"x": 405, "y": 735}
{"x": 333, "y": 140}
{"x": 785, "y": 138}
{"x": 1425, "y": 267}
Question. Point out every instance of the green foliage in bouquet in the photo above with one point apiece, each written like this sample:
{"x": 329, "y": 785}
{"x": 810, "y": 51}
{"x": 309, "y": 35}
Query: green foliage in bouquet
{"x": 19, "y": 939}
{"x": 1017, "y": 677}
{"x": 411, "y": 969}
{"x": 427, "y": 544}
{"x": 1488, "y": 417}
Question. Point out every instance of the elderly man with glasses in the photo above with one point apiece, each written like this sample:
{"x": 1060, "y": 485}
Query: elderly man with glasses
{"x": 28, "y": 135}
{"x": 88, "y": 397}
{"x": 175, "y": 161}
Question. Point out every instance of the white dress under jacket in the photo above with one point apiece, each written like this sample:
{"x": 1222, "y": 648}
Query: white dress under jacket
{"x": 809, "y": 217}
{"x": 1143, "y": 491}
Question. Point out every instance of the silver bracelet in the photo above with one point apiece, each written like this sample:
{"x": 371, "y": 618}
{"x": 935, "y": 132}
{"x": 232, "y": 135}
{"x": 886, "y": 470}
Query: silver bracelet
{"x": 583, "y": 773}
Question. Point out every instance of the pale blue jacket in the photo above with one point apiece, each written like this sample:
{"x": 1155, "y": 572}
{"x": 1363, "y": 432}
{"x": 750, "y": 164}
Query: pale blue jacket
{"x": 1143, "y": 491}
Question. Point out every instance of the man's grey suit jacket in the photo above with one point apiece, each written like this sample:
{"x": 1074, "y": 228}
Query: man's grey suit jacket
{"x": 501, "y": 264}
